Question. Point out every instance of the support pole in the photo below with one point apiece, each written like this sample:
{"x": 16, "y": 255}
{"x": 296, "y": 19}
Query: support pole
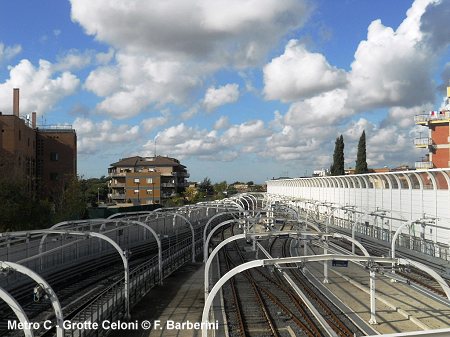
{"x": 373, "y": 319}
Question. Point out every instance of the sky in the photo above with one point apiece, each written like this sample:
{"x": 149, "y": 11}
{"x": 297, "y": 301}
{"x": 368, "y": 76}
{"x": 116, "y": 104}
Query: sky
{"x": 237, "y": 90}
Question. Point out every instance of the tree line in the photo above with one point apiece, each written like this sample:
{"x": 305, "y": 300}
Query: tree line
{"x": 338, "y": 166}
{"x": 21, "y": 209}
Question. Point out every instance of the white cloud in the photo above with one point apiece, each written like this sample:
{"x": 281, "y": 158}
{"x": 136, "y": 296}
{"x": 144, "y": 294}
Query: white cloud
{"x": 92, "y": 136}
{"x": 182, "y": 141}
{"x": 245, "y": 133}
{"x": 102, "y": 81}
{"x": 8, "y": 52}
{"x": 393, "y": 67}
{"x": 226, "y": 94}
{"x": 136, "y": 82}
{"x": 41, "y": 87}
{"x": 325, "y": 109}
{"x": 73, "y": 60}
{"x": 104, "y": 58}
{"x": 222, "y": 123}
{"x": 149, "y": 124}
{"x": 203, "y": 28}
{"x": 164, "y": 50}
{"x": 299, "y": 74}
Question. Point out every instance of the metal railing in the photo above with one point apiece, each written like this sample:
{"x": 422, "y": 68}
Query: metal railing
{"x": 407, "y": 241}
{"x": 423, "y": 141}
{"x": 109, "y": 304}
{"x": 434, "y": 116}
{"x": 423, "y": 165}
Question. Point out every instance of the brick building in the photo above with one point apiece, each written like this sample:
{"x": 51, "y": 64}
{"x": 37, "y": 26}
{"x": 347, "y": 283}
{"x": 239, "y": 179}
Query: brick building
{"x": 146, "y": 180}
{"x": 438, "y": 139}
{"x": 44, "y": 157}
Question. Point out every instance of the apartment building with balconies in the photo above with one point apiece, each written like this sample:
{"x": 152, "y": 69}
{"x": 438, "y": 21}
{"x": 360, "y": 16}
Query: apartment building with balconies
{"x": 146, "y": 180}
{"x": 437, "y": 141}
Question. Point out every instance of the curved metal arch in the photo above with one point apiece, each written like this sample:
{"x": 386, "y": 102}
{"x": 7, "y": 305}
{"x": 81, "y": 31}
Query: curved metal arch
{"x": 446, "y": 178}
{"x": 123, "y": 254}
{"x": 397, "y": 179}
{"x": 382, "y": 180}
{"x": 116, "y": 215}
{"x": 213, "y": 254}
{"x": 18, "y": 311}
{"x": 430, "y": 272}
{"x": 253, "y": 200}
{"x": 158, "y": 242}
{"x": 357, "y": 182}
{"x": 63, "y": 223}
{"x": 349, "y": 181}
{"x": 241, "y": 197}
{"x": 432, "y": 179}
{"x": 408, "y": 180}
{"x": 354, "y": 241}
{"x": 419, "y": 180}
{"x": 260, "y": 263}
{"x": 210, "y": 220}
{"x": 191, "y": 228}
{"x": 344, "y": 182}
{"x": 389, "y": 181}
{"x": 235, "y": 203}
{"x": 206, "y": 244}
{"x": 334, "y": 181}
{"x": 365, "y": 180}
{"x": 48, "y": 289}
{"x": 238, "y": 200}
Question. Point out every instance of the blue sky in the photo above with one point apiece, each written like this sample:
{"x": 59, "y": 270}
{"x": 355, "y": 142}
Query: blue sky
{"x": 236, "y": 89}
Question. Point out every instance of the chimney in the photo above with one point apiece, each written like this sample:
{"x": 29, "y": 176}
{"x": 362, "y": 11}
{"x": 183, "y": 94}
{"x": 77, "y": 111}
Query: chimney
{"x": 33, "y": 120}
{"x": 16, "y": 102}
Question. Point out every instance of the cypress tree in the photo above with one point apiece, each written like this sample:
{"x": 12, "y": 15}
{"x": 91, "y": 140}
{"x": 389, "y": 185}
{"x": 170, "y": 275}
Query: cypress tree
{"x": 361, "y": 161}
{"x": 337, "y": 168}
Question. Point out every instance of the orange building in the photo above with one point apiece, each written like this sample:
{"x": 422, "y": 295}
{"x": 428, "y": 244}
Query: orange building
{"x": 146, "y": 180}
{"x": 438, "y": 140}
{"x": 43, "y": 157}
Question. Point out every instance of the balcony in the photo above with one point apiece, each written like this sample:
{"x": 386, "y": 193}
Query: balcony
{"x": 171, "y": 185}
{"x": 423, "y": 165}
{"x": 117, "y": 185}
{"x": 433, "y": 117}
{"x": 423, "y": 142}
{"x": 117, "y": 174}
{"x": 115, "y": 196}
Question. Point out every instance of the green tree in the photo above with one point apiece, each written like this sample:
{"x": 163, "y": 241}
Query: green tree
{"x": 71, "y": 203}
{"x": 361, "y": 161}
{"x": 191, "y": 194}
{"x": 206, "y": 187}
{"x": 219, "y": 189}
{"x": 337, "y": 168}
{"x": 20, "y": 209}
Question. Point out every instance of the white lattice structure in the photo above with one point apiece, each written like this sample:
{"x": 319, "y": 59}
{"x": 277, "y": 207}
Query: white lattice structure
{"x": 421, "y": 198}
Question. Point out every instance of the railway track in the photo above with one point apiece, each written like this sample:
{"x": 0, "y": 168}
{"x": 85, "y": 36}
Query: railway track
{"x": 89, "y": 279}
{"x": 271, "y": 307}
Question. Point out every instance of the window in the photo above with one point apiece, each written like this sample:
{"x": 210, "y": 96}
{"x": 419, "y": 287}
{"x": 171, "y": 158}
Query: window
{"x": 54, "y": 156}
{"x": 149, "y": 180}
{"x": 136, "y": 180}
{"x": 136, "y": 191}
{"x": 53, "y": 176}
{"x": 149, "y": 191}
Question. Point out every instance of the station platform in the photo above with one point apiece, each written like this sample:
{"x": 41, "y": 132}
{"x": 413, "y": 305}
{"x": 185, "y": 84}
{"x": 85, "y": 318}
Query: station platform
{"x": 399, "y": 307}
{"x": 179, "y": 300}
